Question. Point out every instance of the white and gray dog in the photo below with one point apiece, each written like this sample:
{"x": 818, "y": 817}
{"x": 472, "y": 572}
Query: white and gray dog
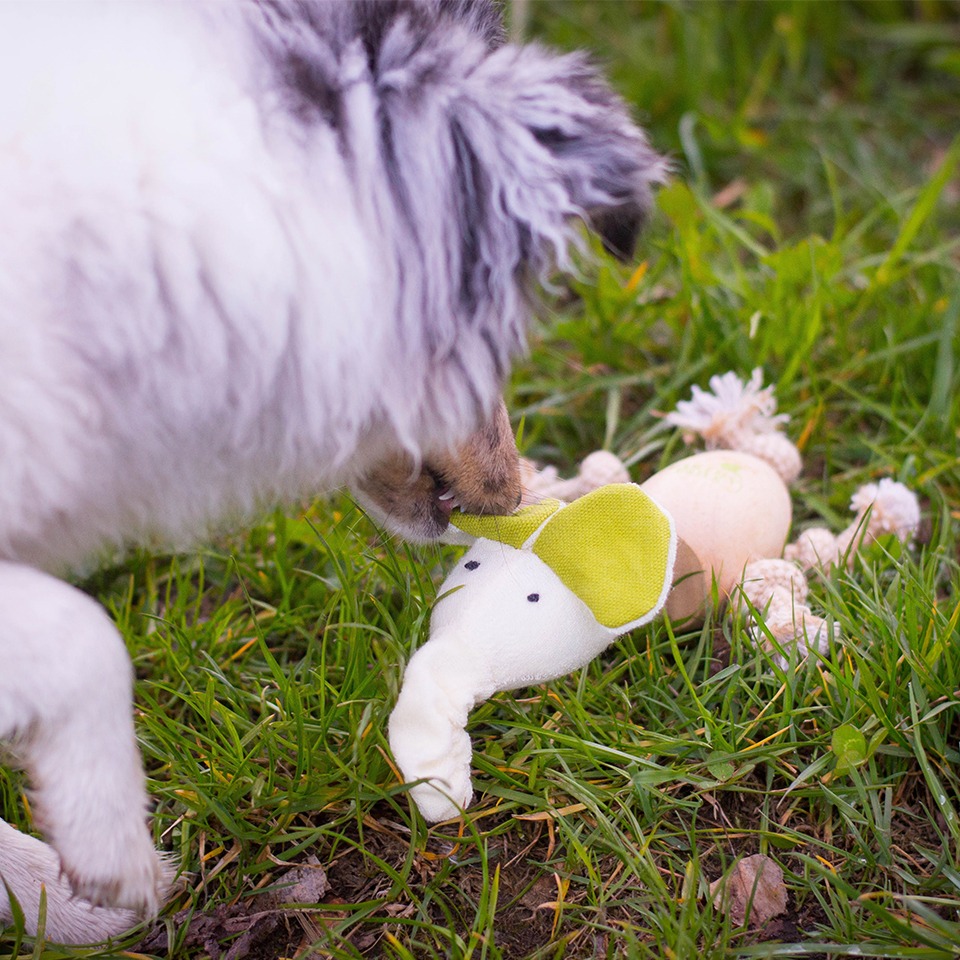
{"x": 250, "y": 251}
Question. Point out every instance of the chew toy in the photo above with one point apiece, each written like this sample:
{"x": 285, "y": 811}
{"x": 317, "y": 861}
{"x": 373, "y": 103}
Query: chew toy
{"x": 597, "y": 470}
{"x": 542, "y": 592}
{"x": 538, "y": 595}
{"x": 741, "y": 415}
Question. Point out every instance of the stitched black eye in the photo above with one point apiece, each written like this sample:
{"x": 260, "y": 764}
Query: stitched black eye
{"x": 472, "y": 564}
{"x": 533, "y": 597}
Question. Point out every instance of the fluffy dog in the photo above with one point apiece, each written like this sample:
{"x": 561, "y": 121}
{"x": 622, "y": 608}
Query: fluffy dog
{"x": 250, "y": 251}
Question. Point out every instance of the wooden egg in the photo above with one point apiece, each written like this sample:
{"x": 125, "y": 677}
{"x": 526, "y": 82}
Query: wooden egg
{"x": 729, "y": 508}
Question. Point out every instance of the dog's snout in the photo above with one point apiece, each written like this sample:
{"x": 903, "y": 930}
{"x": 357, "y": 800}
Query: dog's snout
{"x": 619, "y": 228}
{"x": 481, "y": 476}
{"x": 484, "y": 472}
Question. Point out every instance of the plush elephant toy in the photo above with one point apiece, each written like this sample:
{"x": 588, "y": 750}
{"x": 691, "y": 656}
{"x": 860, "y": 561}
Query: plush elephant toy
{"x": 538, "y": 595}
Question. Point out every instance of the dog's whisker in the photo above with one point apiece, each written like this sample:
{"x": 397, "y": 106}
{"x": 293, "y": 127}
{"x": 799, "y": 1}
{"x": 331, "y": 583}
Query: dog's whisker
{"x": 528, "y": 498}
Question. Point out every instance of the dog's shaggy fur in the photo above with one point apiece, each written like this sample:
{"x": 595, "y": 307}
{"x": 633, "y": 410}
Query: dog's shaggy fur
{"x": 247, "y": 252}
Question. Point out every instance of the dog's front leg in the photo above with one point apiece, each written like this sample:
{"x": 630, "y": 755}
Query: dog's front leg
{"x": 66, "y": 714}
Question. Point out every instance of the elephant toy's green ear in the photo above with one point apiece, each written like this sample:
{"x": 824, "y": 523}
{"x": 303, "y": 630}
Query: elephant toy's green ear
{"x": 614, "y": 548}
{"x": 514, "y": 530}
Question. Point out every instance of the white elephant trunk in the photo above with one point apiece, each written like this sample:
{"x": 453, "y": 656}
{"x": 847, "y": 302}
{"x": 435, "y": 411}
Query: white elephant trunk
{"x": 443, "y": 682}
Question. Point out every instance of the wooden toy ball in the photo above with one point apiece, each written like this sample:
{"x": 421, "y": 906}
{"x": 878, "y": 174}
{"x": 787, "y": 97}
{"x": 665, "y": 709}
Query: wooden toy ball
{"x": 729, "y": 508}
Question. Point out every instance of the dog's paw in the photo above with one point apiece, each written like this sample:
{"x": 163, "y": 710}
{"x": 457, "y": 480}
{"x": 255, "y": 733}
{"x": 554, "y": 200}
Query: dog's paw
{"x": 90, "y": 803}
{"x": 116, "y": 871}
{"x": 140, "y": 888}
{"x": 33, "y": 872}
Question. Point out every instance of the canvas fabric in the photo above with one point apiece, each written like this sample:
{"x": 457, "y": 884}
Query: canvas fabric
{"x": 614, "y": 548}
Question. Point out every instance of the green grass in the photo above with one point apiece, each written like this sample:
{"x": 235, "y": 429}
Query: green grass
{"x": 812, "y": 230}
